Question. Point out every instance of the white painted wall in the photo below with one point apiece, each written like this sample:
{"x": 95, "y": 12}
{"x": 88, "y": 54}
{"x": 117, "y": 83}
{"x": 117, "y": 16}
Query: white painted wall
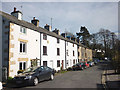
{"x": 17, "y": 15}
{"x": 70, "y": 57}
{"x": 33, "y": 47}
{"x": 52, "y": 46}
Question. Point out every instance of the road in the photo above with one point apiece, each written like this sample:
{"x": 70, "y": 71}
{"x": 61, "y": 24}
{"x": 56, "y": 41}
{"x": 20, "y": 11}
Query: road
{"x": 88, "y": 78}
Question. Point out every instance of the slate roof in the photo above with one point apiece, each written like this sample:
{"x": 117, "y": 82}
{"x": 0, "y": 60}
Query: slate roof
{"x": 26, "y": 24}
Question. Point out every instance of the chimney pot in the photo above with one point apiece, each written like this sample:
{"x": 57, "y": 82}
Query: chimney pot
{"x": 48, "y": 27}
{"x": 35, "y": 21}
{"x": 14, "y": 9}
{"x": 33, "y": 18}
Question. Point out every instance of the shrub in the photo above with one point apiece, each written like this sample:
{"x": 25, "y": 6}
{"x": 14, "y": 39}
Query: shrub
{"x": 69, "y": 69}
{"x": 20, "y": 71}
{"x": 10, "y": 80}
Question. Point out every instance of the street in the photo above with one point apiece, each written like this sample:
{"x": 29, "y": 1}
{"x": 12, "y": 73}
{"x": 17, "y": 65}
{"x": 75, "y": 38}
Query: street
{"x": 88, "y": 78}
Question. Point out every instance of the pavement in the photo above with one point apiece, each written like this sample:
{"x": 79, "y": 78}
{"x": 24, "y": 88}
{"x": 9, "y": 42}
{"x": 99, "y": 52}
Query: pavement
{"x": 110, "y": 79}
{"x": 87, "y": 78}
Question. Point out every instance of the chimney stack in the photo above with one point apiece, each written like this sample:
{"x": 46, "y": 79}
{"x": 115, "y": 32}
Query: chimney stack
{"x": 35, "y": 22}
{"x": 17, "y": 14}
{"x": 14, "y": 9}
{"x": 48, "y": 27}
{"x": 64, "y": 35}
{"x": 69, "y": 37}
{"x": 73, "y": 38}
{"x": 56, "y": 31}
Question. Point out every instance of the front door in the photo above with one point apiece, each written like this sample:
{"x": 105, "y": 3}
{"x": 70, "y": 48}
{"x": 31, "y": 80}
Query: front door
{"x": 44, "y": 63}
{"x": 51, "y": 63}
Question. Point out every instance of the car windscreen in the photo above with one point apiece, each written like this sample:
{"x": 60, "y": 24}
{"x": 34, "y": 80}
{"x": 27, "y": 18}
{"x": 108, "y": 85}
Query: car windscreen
{"x": 80, "y": 63}
{"x": 31, "y": 69}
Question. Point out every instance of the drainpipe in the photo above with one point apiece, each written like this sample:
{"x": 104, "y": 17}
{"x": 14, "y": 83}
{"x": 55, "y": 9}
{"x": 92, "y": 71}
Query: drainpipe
{"x": 65, "y": 55}
{"x": 1, "y": 49}
{"x": 40, "y": 49}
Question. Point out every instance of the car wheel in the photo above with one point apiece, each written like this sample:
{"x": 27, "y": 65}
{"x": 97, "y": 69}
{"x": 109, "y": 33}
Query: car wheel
{"x": 51, "y": 77}
{"x": 35, "y": 81}
{"x": 73, "y": 69}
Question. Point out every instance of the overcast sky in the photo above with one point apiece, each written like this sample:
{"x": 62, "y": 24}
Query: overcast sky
{"x": 70, "y": 16}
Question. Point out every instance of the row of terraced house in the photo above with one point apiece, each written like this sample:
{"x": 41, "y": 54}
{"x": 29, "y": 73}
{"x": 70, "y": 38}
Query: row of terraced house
{"x": 25, "y": 44}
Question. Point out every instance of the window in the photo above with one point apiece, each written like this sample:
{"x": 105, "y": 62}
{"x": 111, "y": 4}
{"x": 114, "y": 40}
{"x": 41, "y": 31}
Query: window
{"x": 23, "y": 47}
{"x": 22, "y": 65}
{"x": 44, "y": 50}
{"x": 73, "y": 44}
{"x": 23, "y": 30}
{"x": 44, "y": 36}
{"x": 73, "y": 53}
{"x": 73, "y": 61}
{"x": 78, "y": 53}
{"x": 44, "y": 63}
{"x": 58, "y": 51}
{"x": 58, "y": 63}
{"x": 58, "y": 40}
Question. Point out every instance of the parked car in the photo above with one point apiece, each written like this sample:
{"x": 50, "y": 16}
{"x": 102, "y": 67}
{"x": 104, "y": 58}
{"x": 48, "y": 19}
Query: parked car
{"x": 96, "y": 60}
{"x": 90, "y": 63}
{"x": 87, "y": 64}
{"x": 1, "y": 87}
{"x": 78, "y": 66}
{"x": 34, "y": 75}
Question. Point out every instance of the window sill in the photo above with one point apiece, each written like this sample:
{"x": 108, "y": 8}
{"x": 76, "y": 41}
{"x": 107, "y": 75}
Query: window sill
{"x": 21, "y": 53}
{"x": 23, "y": 33}
{"x": 45, "y": 54}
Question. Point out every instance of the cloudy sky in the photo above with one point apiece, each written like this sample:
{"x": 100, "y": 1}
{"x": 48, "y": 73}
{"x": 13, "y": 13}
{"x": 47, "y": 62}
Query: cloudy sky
{"x": 69, "y": 16}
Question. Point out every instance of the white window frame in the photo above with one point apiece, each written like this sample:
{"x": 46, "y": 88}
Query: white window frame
{"x": 23, "y": 65}
{"x": 22, "y": 51}
{"x": 22, "y": 30}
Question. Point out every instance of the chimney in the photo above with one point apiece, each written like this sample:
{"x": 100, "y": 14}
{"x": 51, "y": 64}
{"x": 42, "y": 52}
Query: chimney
{"x": 48, "y": 27}
{"x": 35, "y": 21}
{"x": 14, "y": 9}
{"x": 78, "y": 41}
{"x": 56, "y": 31}
{"x": 17, "y": 14}
{"x": 64, "y": 35}
{"x": 69, "y": 37}
{"x": 72, "y": 38}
